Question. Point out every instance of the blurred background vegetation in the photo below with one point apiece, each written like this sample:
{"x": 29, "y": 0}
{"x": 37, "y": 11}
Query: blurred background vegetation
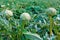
{"x": 39, "y": 24}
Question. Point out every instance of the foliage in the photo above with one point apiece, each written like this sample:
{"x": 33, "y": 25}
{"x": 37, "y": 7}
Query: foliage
{"x": 14, "y": 28}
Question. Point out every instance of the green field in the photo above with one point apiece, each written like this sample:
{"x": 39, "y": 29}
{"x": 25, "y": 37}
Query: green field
{"x": 29, "y": 19}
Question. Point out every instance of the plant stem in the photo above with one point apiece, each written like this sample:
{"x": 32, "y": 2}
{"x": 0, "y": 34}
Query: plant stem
{"x": 22, "y": 29}
{"x": 51, "y": 25}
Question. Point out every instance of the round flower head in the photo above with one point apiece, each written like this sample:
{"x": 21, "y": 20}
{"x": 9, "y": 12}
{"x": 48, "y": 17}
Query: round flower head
{"x": 51, "y": 11}
{"x": 8, "y": 13}
{"x": 25, "y": 16}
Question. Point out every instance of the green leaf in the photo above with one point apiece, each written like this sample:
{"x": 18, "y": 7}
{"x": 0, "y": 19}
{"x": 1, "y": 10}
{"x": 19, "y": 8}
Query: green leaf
{"x": 32, "y": 36}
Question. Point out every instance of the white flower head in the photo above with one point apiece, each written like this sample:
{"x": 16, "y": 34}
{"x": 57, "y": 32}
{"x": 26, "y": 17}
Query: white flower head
{"x": 25, "y": 16}
{"x": 8, "y": 13}
{"x": 51, "y": 11}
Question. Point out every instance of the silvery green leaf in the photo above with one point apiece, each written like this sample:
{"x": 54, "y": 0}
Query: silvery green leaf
{"x": 32, "y": 36}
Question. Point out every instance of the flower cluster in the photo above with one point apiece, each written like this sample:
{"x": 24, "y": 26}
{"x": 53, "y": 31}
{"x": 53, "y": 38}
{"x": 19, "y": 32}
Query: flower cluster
{"x": 8, "y": 13}
{"x": 51, "y": 11}
{"x": 25, "y": 16}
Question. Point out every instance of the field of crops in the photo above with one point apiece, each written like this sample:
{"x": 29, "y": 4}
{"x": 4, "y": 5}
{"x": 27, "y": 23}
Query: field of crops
{"x": 29, "y": 19}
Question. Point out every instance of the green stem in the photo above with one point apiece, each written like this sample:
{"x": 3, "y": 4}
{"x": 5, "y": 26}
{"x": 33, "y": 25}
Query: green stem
{"x": 22, "y": 29}
{"x": 51, "y": 25}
